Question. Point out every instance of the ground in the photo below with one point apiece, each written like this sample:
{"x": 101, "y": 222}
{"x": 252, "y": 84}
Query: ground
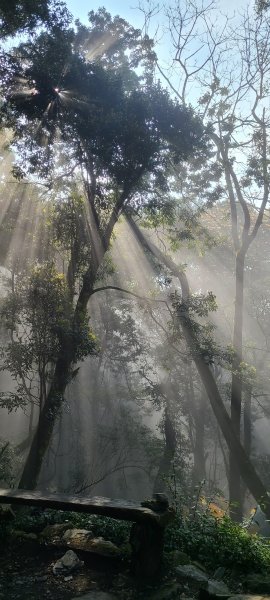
{"x": 26, "y": 574}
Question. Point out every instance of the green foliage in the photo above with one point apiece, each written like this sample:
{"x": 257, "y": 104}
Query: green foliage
{"x": 39, "y": 314}
{"x": 25, "y": 15}
{"x": 111, "y": 529}
{"x": 217, "y": 541}
{"x": 118, "y": 126}
{"x": 191, "y": 313}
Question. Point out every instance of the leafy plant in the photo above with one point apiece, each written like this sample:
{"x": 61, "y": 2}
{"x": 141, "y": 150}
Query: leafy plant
{"x": 217, "y": 541}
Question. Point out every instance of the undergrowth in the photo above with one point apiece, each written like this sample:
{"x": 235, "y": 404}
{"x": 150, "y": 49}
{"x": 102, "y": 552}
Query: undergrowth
{"x": 215, "y": 542}
{"x": 198, "y": 534}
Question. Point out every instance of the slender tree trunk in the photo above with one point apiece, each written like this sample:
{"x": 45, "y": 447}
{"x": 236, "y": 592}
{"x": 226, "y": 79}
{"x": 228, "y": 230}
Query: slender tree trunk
{"x": 55, "y": 396}
{"x": 246, "y": 469}
{"x": 199, "y": 470}
{"x": 168, "y": 454}
{"x": 235, "y": 494}
{"x": 99, "y": 243}
{"x": 247, "y": 428}
{"x": 197, "y": 414}
{"x": 247, "y": 419}
{"x": 45, "y": 426}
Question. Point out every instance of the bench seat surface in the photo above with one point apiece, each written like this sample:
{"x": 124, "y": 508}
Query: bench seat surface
{"x": 126, "y": 510}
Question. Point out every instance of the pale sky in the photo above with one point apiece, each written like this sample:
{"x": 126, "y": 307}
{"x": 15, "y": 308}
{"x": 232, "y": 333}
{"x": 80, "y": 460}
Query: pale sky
{"x": 127, "y": 10}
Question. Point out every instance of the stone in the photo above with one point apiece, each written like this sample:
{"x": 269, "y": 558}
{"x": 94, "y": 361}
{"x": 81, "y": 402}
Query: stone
{"x": 259, "y": 523}
{"x": 69, "y": 562}
{"x": 78, "y": 539}
{"x": 103, "y": 547}
{"x": 248, "y": 597}
{"x": 218, "y": 588}
{"x": 219, "y": 573}
{"x": 52, "y": 534}
{"x": 258, "y": 583}
{"x": 95, "y": 595}
{"x": 192, "y": 574}
{"x": 199, "y": 565}
{"x": 179, "y": 558}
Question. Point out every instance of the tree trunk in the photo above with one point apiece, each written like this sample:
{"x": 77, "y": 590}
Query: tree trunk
{"x": 45, "y": 426}
{"x": 199, "y": 470}
{"x": 168, "y": 453}
{"x": 247, "y": 428}
{"x": 55, "y": 396}
{"x": 246, "y": 469}
{"x": 235, "y": 495}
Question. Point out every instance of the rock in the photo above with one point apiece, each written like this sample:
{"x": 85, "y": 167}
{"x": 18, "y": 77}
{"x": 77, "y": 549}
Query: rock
{"x": 199, "y": 565}
{"x": 192, "y": 574}
{"x": 78, "y": 539}
{"x": 52, "y": 534}
{"x": 217, "y": 588}
{"x": 69, "y": 562}
{"x": 95, "y": 595}
{"x": 248, "y": 597}
{"x": 103, "y": 547}
{"x": 259, "y": 523}
{"x": 219, "y": 573}
{"x": 68, "y": 578}
{"x": 258, "y": 583}
{"x": 179, "y": 558}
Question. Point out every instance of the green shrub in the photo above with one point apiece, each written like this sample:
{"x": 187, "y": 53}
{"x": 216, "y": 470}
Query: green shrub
{"x": 111, "y": 529}
{"x": 215, "y": 542}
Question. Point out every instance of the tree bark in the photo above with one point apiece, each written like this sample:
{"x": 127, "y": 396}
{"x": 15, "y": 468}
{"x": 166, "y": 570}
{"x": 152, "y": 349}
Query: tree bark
{"x": 45, "y": 426}
{"x": 55, "y": 397}
{"x": 246, "y": 469}
{"x": 236, "y": 504}
{"x": 168, "y": 453}
{"x": 199, "y": 470}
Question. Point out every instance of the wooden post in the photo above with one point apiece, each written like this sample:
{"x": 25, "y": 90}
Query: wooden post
{"x": 147, "y": 539}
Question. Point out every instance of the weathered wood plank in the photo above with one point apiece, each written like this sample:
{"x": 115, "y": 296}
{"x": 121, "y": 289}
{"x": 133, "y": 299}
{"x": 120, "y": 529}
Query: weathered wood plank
{"x": 118, "y": 509}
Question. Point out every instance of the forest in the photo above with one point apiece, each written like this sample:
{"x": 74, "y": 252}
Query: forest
{"x": 134, "y": 280}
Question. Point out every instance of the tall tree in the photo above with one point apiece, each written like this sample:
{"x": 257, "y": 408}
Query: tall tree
{"x": 26, "y": 15}
{"x": 202, "y": 357}
{"x": 230, "y": 95}
{"x": 121, "y": 134}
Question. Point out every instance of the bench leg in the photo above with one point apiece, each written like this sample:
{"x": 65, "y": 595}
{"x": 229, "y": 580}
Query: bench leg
{"x": 147, "y": 540}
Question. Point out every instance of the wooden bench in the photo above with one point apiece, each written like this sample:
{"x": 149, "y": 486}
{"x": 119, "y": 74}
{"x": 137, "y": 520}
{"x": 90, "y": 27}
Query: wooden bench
{"x": 149, "y": 520}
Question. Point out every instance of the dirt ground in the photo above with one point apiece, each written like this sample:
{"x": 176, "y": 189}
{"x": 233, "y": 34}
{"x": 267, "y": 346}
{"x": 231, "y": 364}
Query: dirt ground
{"x": 26, "y": 574}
